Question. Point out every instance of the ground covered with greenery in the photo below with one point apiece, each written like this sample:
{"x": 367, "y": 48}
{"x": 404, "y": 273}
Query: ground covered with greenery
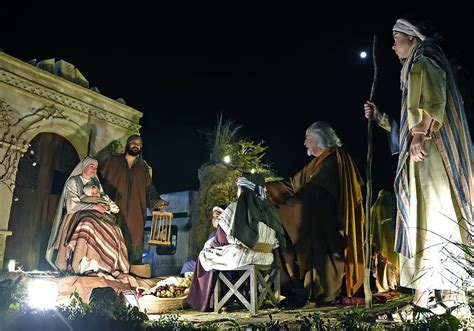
{"x": 108, "y": 310}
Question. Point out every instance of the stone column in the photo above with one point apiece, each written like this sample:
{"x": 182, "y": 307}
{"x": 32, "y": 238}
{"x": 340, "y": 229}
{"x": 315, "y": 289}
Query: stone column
{"x": 3, "y": 238}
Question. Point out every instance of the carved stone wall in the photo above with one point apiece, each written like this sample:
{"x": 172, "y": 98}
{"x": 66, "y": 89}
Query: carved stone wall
{"x": 34, "y": 101}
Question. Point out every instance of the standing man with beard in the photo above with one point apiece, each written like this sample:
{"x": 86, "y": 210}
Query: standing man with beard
{"x": 127, "y": 181}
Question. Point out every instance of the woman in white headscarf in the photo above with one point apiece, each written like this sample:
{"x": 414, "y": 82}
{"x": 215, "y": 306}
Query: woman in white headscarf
{"x": 84, "y": 237}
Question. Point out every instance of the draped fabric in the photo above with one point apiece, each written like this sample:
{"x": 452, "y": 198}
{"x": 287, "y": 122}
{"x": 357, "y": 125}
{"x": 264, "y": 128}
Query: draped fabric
{"x": 383, "y": 225}
{"x": 130, "y": 188}
{"x": 353, "y": 221}
{"x": 385, "y": 259}
{"x": 253, "y": 208}
{"x": 201, "y": 292}
{"x": 90, "y": 241}
{"x": 236, "y": 254}
{"x": 83, "y": 240}
{"x": 322, "y": 212}
{"x": 436, "y": 94}
{"x": 69, "y": 202}
{"x": 226, "y": 252}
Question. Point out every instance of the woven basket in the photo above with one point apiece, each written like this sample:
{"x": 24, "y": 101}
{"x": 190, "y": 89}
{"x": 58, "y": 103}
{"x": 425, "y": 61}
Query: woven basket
{"x": 156, "y": 305}
{"x": 141, "y": 270}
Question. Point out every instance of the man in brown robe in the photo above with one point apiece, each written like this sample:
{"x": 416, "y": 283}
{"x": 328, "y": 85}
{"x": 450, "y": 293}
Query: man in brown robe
{"x": 127, "y": 181}
{"x": 322, "y": 212}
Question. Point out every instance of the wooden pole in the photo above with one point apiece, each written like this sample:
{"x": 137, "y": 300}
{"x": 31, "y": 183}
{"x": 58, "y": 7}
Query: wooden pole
{"x": 368, "y": 199}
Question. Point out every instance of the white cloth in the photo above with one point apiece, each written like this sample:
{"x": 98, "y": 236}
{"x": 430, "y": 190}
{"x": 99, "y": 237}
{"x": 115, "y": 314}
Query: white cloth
{"x": 217, "y": 208}
{"x": 101, "y": 197}
{"x": 236, "y": 254}
{"x": 70, "y": 191}
{"x": 114, "y": 209}
{"x": 439, "y": 262}
{"x": 72, "y": 195}
{"x": 104, "y": 198}
{"x": 407, "y": 28}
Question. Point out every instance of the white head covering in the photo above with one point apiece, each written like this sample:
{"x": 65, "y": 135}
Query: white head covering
{"x": 60, "y": 209}
{"x": 217, "y": 208}
{"x": 82, "y": 165}
{"x": 407, "y": 28}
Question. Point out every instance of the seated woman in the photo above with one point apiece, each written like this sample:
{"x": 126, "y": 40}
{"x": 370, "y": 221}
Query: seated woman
{"x": 247, "y": 232}
{"x": 84, "y": 237}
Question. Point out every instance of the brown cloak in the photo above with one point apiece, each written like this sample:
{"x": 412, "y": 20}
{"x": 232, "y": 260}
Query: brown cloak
{"x": 129, "y": 188}
{"x": 321, "y": 209}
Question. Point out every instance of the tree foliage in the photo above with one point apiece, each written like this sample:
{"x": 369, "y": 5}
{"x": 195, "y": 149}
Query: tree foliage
{"x": 217, "y": 177}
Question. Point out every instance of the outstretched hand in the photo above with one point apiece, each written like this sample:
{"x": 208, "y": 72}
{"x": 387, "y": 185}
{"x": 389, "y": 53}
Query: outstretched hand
{"x": 160, "y": 205}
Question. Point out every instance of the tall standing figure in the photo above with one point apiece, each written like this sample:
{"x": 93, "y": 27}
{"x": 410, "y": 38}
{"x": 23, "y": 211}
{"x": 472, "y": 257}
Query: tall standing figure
{"x": 127, "y": 181}
{"x": 433, "y": 182}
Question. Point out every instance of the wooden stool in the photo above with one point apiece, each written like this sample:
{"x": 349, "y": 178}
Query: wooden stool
{"x": 261, "y": 278}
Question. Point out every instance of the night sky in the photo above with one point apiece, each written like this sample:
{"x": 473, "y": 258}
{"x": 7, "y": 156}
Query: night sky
{"x": 272, "y": 73}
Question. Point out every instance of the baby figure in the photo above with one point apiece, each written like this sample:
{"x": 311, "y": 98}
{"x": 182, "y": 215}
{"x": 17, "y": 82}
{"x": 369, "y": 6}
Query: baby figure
{"x": 92, "y": 194}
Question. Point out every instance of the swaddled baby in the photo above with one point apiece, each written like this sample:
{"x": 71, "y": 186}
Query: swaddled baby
{"x": 92, "y": 194}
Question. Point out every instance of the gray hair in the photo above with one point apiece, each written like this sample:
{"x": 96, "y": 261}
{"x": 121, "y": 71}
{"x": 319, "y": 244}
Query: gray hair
{"x": 324, "y": 135}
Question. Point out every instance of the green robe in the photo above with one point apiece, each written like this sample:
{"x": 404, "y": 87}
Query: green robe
{"x": 437, "y": 228}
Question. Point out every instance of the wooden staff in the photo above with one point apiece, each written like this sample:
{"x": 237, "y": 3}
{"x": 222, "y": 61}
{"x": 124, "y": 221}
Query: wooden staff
{"x": 368, "y": 199}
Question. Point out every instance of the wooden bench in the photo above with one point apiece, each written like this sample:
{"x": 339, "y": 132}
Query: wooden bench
{"x": 255, "y": 284}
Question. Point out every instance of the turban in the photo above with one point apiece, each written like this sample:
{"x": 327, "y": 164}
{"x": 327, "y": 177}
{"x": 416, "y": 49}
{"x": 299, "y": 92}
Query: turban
{"x": 407, "y": 28}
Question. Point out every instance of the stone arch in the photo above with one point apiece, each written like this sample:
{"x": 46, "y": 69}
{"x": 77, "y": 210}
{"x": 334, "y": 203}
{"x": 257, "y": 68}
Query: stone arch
{"x": 40, "y": 178}
{"x": 75, "y": 134}
{"x": 35, "y": 99}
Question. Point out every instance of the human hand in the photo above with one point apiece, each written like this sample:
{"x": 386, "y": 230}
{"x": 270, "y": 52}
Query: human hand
{"x": 417, "y": 150}
{"x": 100, "y": 207}
{"x": 160, "y": 205}
{"x": 371, "y": 111}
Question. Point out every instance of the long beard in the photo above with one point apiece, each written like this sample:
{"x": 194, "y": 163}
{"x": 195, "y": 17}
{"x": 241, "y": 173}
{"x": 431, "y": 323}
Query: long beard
{"x": 308, "y": 151}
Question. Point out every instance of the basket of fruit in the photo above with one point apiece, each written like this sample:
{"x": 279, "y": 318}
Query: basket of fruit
{"x": 169, "y": 294}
